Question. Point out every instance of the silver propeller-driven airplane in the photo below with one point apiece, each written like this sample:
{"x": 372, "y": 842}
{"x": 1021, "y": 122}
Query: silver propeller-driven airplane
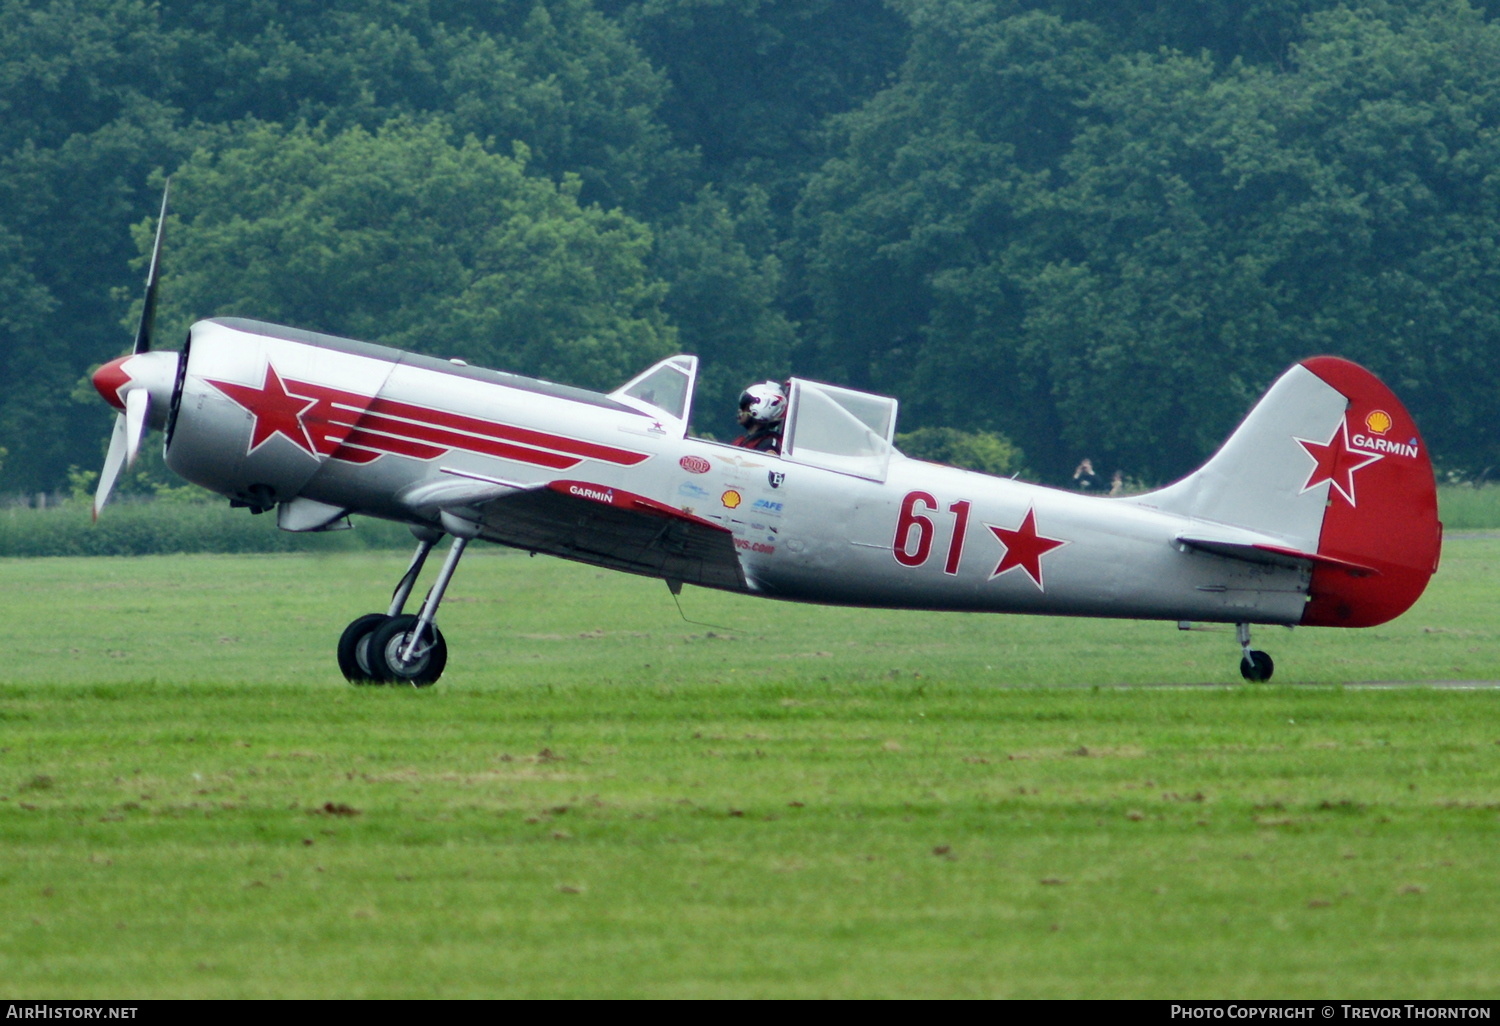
{"x": 1319, "y": 510}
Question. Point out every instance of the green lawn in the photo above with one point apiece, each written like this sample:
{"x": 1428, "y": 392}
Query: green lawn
{"x": 600, "y": 799}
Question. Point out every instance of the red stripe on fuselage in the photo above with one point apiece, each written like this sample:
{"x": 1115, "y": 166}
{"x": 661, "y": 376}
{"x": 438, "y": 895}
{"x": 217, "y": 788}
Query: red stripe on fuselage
{"x": 374, "y": 425}
{"x": 509, "y": 432}
{"x": 349, "y": 426}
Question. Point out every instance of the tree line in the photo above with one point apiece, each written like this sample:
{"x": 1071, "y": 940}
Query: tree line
{"x": 1093, "y": 229}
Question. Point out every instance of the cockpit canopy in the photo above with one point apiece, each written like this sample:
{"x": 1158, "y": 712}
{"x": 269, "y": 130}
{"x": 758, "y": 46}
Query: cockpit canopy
{"x": 826, "y": 426}
{"x": 839, "y": 429}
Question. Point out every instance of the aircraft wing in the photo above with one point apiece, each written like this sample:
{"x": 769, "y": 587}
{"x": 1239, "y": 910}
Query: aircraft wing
{"x": 613, "y": 528}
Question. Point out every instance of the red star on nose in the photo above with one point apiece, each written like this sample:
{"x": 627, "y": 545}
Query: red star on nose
{"x": 1335, "y": 462}
{"x": 276, "y": 411}
{"x": 1024, "y": 548}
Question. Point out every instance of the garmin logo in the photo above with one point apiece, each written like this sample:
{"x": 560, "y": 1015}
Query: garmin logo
{"x": 596, "y": 494}
{"x": 1385, "y": 445}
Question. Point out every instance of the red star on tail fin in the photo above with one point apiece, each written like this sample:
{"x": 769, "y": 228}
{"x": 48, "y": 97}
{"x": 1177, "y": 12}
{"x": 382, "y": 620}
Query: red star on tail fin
{"x": 1335, "y": 462}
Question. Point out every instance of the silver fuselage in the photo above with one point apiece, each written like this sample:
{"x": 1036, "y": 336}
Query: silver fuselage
{"x": 379, "y": 424}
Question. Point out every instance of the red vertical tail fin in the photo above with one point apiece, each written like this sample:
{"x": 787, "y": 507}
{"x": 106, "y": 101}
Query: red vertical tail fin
{"x": 1381, "y": 509}
{"x": 1328, "y": 466}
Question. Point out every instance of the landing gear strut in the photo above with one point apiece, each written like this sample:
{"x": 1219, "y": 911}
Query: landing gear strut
{"x": 1255, "y": 665}
{"x": 398, "y": 648}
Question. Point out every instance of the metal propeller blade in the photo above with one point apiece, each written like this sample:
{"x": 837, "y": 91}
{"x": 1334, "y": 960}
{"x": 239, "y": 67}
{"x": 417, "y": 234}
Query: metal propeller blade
{"x": 137, "y": 404}
{"x": 118, "y": 446}
{"x": 130, "y": 390}
{"x": 140, "y": 386}
{"x": 148, "y": 311}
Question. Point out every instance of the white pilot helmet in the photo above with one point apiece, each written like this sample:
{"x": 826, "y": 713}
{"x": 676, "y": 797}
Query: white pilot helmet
{"x": 765, "y": 402}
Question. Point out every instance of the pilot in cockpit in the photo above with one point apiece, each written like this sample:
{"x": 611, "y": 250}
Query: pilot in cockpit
{"x": 762, "y": 414}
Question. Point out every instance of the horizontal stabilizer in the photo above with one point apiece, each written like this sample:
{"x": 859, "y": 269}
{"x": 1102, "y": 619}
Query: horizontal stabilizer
{"x": 1274, "y": 555}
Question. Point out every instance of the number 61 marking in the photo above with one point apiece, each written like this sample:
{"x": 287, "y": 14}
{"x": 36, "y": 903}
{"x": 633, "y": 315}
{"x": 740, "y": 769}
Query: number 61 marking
{"x": 914, "y": 531}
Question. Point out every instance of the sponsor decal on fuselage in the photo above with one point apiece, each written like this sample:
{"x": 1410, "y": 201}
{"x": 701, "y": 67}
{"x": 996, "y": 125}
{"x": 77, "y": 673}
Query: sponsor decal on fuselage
{"x": 606, "y": 495}
{"x": 692, "y": 490}
{"x": 731, "y": 499}
{"x": 754, "y": 546}
{"x": 767, "y": 506}
{"x": 695, "y": 464}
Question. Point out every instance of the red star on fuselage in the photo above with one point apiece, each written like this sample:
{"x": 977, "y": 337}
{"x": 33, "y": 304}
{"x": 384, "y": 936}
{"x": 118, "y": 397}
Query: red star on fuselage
{"x": 276, "y": 411}
{"x": 1024, "y": 548}
{"x": 1335, "y": 462}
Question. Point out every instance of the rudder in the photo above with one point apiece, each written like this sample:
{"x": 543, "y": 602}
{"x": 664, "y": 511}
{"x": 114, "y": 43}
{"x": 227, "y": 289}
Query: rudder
{"x": 1381, "y": 504}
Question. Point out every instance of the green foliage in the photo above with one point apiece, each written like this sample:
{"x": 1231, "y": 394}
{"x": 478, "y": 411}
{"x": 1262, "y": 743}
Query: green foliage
{"x": 1125, "y": 249}
{"x": 725, "y": 280}
{"x": 1246, "y": 219}
{"x": 1464, "y": 507}
{"x": 26, "y": 355}
{"x": 904, "y": 232}
{"x": 400, "y": 237}
{"x": 754, "y": 81}
{"x": 553, "y": 74}
{"x": 984, "y": 451}
{"x": 170, "y": 526}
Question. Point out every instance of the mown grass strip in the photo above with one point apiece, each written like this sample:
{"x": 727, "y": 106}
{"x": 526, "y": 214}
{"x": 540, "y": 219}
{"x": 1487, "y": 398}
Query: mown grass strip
{"x": 600, "y": 800}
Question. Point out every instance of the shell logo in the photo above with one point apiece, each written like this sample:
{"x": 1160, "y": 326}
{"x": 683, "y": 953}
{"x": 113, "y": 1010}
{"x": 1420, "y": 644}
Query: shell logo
{"x": 731, "y": 499}
{"x": 1378, "y": 421}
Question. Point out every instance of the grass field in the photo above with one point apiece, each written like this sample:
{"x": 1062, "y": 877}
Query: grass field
{"x": 601, "y": 799}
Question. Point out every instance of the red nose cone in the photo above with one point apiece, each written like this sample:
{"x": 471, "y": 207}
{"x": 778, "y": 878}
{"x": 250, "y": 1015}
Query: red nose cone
{"x": 109, "y": 379}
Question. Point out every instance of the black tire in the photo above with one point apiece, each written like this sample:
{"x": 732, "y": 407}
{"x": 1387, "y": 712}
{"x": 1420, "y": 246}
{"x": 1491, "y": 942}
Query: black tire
{"x": 1256, "y": 666}
{"x": 385, "y": 653}
{"x": 354, "y": 649}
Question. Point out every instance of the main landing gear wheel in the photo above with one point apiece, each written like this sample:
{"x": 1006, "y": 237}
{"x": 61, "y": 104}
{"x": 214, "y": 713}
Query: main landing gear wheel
{"x": 396, "y": 647}
{"x": 354, "y": 648}
{"x": 399, "y": 658}
{"x": 1256, "y": 666}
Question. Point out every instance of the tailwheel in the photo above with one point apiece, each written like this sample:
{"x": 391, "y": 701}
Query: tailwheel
{"x": 354, "y": 649}
{"x": 404, "y": 651}
{"x": 1256, "y": 666}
